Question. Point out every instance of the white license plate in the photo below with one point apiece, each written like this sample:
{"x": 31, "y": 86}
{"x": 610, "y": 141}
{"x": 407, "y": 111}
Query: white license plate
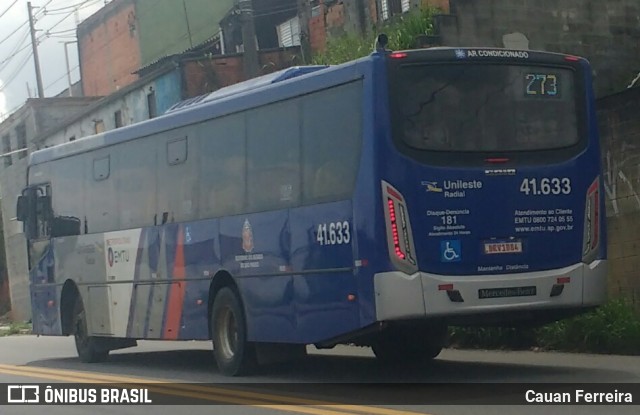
{"x": 511, "y": 247}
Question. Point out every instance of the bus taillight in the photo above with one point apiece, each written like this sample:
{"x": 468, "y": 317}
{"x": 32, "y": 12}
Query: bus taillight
{"x": 398, "y": 55}
{"x": 394, "y": 229}
{"x": 592, "y": 220}
{"x": 399, "y": 236}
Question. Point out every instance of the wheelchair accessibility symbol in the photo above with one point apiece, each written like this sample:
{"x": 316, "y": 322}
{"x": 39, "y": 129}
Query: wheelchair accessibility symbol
{"x": 451, "y": 251}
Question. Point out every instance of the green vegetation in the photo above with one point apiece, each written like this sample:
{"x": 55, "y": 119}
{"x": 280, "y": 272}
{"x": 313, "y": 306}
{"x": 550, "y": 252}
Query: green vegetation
{"x": 15, "y": 328}
{"x": 403, "y": 33}
{"x": 613, "y": 328}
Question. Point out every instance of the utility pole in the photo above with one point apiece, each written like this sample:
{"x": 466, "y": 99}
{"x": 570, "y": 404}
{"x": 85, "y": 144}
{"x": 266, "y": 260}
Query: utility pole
{"x": 34, "y": 45}
{"x": 304, "y": 15}
{"x": 66, "y": 58}
{"x": 251, "y": 68}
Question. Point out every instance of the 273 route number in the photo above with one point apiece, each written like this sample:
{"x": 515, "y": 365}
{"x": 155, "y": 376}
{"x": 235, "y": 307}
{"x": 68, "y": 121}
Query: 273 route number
{"x": 333, "y": 233}
{"x": 546, "y": 186}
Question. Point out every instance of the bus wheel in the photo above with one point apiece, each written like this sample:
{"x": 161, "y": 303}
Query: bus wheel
{"x": 88, "y": 347}
{"x": 234, "y": 355}
{"x": 405, "y": 346}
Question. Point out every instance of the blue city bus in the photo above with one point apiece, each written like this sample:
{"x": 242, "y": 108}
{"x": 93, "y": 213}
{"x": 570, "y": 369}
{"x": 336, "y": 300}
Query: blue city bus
{"x": 372, "y": 203}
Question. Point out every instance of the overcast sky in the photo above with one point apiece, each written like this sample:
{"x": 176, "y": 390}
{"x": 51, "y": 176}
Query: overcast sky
{"x": 56, "y": 21}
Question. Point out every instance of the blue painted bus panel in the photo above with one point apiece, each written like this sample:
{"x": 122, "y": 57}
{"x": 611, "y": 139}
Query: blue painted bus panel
{"x": 255, "y": 243}
{"x": 322, "y": 236}
{"x": 323, "y": 249}
{"x": 322, "y": 307}
{"x": 461, "y": 211}
{"x": 269, "y": 308}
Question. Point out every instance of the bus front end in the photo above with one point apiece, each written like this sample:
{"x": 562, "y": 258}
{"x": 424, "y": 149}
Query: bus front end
{"x": 491, "y": 189}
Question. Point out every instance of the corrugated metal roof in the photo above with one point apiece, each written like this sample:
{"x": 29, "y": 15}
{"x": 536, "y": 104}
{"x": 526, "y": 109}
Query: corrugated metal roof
{"x": 185, "y": 53}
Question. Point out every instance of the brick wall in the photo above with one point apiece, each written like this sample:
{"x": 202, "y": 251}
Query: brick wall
{"x": 440, "y": 4}
{"x": 206, "y": 75}
{"x": 335, "y": 19}
{"x": 103, "y": 65}
{"x": 330, "y": 21}
{"x": 620, "y": 136}
{"x": 606, "y": 32}
{"x": 318, "y": 31}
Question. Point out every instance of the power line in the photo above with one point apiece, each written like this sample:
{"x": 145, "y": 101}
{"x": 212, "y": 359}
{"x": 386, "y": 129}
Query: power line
{"x": 14, "y": 32}
{"x": 16, "y": 72}
{"x": 17, "y": 49}
{"x": 62, "y": 77}
{"x": 20, "y": 46}
{"x": 8, "y": 8}
{"x": 73, "y": 6}
{"x": 81, "y": 6}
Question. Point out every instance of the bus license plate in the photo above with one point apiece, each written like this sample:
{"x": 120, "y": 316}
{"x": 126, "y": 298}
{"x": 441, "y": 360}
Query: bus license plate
{"x": 510, "y": 247}
{"x": 485, "y": 293}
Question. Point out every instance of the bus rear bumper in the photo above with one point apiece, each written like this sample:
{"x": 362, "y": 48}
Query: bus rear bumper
{"x": 400, "y": 296}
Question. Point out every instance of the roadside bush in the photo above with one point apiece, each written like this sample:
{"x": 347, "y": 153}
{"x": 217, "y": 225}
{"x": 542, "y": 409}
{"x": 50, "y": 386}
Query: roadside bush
{"x": 403, "y": 33}
{"x": 613, "y": 328}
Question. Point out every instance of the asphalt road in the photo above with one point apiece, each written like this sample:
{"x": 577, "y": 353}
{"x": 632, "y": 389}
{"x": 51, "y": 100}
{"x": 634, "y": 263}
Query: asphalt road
{"x": 345, "y": 380}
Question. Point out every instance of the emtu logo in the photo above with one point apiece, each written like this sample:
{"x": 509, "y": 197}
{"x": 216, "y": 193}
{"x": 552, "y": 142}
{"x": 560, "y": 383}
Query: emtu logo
{"x": 110, "y": 256}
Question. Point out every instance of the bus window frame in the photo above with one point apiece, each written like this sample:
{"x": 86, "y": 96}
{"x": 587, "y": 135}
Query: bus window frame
{"x": 477, "y": 158}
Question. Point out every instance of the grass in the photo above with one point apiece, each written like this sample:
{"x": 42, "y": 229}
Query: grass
{"x": 613, "y": 328}
{"x": 15, "y": 328}
{"x": 402, "y": 31}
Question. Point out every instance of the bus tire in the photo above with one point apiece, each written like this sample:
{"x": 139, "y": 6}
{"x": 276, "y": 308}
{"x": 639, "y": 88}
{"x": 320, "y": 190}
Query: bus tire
{"x": 409, "y": 347}
{"x": 88, "y": 347}
{"x": 234, "y": 355}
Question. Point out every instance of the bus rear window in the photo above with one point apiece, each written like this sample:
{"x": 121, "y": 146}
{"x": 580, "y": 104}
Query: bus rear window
{"x": 484, "y": 108}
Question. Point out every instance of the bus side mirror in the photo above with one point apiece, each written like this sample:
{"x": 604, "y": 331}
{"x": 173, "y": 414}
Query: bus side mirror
{"x": 22, "y": 208}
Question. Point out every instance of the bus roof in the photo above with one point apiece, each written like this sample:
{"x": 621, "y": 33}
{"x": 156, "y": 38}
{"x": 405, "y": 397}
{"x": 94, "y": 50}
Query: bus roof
{"x": 251, "y": 84}
{"x": 256, "y": 92}
{"x": 266, "y": 89}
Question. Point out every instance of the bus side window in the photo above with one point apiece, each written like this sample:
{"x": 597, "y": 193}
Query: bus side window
{"x": 222, "y": 167}
{"x": 331, "y": 140}
{"x": 273, "y": 156}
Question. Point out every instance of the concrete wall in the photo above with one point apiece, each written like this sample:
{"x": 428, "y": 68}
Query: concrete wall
{"x": 132, "y": 104}
{"x": 108, "y": 49}
{"x": 620, "y": 134}
{"x": 606, "y": 32}
{"x": 36, "y": 115}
